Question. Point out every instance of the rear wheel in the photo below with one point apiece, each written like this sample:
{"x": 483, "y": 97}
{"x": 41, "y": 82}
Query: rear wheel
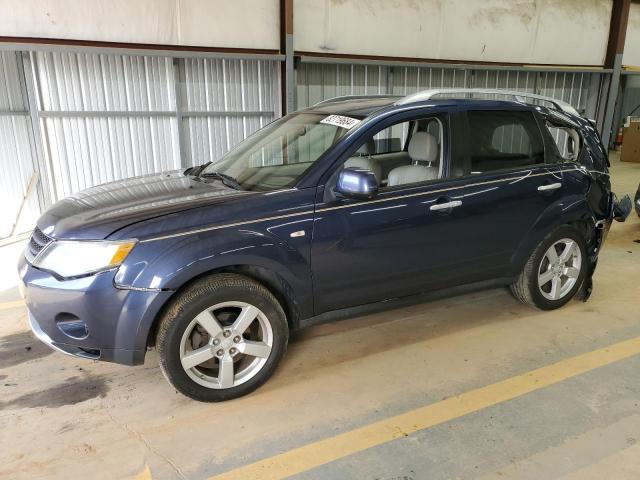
{"x": 221, "y": 338}
{"x": 554, "y": 272}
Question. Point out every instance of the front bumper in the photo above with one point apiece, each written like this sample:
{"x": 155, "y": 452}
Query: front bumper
{"x": 89, "y": 317}
{"x": 60, "y": 347}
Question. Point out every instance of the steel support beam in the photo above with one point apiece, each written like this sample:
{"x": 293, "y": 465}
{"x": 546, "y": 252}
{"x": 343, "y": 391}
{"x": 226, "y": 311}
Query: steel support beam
{"x": 43, "y": 162}
{"x": 286, "y": 48}
{"x": 341, "y": 60}
{"x": 144, "y": 113}
{"x": 178, "y": 82}
{"x": 614, "y": 85}
{"x": 613, "y": 59}
{"x": 150, "y": 50}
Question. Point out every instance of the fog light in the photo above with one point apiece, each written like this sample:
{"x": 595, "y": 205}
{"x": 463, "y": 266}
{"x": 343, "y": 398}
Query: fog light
{"x": 72, "y": 326}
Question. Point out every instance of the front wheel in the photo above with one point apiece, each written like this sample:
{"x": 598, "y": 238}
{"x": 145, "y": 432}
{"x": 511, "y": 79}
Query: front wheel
{"x": 554, "y": 272}
{"x": 221, "y": 338}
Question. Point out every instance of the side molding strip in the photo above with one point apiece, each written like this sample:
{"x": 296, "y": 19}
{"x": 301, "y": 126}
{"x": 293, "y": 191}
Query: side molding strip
{"x": 227, "y": 225}
{"x": 326, "y": 209}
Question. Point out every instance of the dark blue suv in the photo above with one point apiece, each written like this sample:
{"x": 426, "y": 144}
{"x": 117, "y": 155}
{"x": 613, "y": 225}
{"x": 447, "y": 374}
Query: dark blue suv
{"x": 324, "y": 213}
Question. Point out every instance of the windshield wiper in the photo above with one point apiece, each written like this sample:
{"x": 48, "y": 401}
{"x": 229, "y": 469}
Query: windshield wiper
{"x": 195, "y": 171}
{"x": 228, "y": 180}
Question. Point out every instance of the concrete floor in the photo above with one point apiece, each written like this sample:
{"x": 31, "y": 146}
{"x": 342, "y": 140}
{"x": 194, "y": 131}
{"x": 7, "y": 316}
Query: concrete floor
{"x": 66, "y": 418}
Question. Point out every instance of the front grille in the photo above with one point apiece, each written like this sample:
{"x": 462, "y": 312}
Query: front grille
{"x": 37, "y": 242}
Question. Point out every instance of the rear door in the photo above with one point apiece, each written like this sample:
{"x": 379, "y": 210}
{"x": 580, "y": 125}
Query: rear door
{"x": 510, "y": 182}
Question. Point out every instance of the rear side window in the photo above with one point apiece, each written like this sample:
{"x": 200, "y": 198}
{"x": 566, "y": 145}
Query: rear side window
{"x": 500, "y": 140}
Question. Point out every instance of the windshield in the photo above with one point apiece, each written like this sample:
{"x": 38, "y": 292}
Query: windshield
{"x": 277, "y": 155}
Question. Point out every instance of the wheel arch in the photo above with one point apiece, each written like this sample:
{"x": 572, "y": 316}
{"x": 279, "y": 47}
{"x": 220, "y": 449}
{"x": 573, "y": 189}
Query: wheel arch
{"x": 270, "y": 279}
{"x": 578, "y": 215}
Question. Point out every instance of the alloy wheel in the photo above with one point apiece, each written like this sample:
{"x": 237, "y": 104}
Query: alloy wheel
{"x": 559, "y": 269}
{"x": 226, "y": 345}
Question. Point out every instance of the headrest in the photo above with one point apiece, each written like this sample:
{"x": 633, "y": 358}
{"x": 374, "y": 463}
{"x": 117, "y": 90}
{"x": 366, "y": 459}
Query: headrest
{"x": 368, "y": 147}
{"x": 423, "y": 147}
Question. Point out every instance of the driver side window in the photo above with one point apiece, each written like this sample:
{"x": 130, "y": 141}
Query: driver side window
{"x": 404, "y": 153}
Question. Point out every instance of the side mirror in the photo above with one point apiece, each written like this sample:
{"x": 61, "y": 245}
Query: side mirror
{"x": 357, "y": 183}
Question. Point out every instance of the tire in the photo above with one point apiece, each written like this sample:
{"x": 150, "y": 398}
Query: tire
{"x": 539, "y": 267}
{"x": 210, "y": 348}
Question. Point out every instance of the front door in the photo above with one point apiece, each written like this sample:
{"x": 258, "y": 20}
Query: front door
{"x": 404, "y": 241}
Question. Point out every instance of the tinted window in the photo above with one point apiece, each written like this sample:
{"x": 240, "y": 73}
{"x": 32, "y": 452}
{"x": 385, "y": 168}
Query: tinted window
{"x": 501, "y": 140}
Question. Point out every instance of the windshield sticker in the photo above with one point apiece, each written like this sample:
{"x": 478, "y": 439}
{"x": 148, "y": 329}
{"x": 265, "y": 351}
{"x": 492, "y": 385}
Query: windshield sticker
{"x": 340, "y": 121}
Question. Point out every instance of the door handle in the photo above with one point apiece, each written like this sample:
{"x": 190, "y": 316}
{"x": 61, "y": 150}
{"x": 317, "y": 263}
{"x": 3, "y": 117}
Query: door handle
{"x": 550, "y": 186}
{"x": 445, "y": 206}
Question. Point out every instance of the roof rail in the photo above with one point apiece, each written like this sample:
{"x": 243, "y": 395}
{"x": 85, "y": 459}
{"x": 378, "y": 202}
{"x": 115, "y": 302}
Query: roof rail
{"x": 353, "y": 97}
{"x": 515, "y": 95}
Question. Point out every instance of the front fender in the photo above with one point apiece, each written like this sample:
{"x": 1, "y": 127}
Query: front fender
{"x": 170, "y": 263}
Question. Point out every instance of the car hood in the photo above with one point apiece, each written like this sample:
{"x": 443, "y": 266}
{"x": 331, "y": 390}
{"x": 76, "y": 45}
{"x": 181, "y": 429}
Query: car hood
{"x": 99, "y": 211}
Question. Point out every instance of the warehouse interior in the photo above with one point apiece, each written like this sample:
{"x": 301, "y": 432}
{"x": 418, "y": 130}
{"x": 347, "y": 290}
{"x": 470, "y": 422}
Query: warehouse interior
{"x": 473, "y": 386}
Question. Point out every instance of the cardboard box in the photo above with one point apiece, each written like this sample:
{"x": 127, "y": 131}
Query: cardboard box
{"x": 631, "y": 142}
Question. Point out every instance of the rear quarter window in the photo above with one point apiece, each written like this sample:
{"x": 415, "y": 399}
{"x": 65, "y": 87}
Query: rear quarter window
{"x": 567, "y": 141}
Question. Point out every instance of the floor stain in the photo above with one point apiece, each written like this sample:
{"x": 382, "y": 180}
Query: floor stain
{"x": 68, "y": 393}
{"x": 21, "y": 347}
{"x": 66, "y": 427}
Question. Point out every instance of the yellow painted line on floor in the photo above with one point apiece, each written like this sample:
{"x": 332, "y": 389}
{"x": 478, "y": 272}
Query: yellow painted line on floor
{"x": 145, "y": 474}
{"x": 14, "y": 304}
{"x": 330, "y": 449}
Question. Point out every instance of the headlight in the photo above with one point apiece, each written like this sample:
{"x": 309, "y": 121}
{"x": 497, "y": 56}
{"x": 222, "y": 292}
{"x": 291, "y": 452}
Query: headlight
{"x": 74, "y": 258}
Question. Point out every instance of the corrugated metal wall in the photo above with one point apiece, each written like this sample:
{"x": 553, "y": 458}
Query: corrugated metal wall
{"x": 320, "y": 81}
{"x": 17, "y": 157}
{"x": 224, "y": 102}
{"x": 103, "y": 117}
